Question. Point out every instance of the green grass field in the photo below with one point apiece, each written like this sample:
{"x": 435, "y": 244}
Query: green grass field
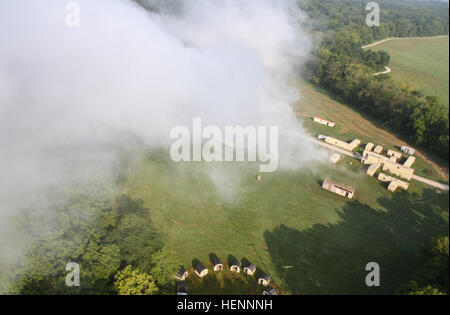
{"x": 421, "y": 63}
{"x": 286, "y": 218}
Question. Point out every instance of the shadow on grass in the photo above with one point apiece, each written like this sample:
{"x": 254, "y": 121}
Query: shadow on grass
{"x": 331, "y": 259}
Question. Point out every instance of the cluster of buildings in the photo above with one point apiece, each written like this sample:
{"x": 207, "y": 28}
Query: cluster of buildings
{"x": 388, "y": 163}
{"x": 217, "y": 265}
{"x": 373, "y": 156}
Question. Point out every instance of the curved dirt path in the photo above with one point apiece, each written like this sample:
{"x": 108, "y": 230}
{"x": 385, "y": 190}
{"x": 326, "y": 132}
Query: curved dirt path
{"x": 388, "y": 70}
{"x": 400, "y": 38}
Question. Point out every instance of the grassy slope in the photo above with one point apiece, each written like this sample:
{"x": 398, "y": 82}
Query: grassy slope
{"x": 421, "y": 63}
{"x": 287, "y": 219}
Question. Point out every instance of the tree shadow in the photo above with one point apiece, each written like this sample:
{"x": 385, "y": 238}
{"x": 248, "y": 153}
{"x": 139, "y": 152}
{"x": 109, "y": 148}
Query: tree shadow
{"x": 331, "y": 259}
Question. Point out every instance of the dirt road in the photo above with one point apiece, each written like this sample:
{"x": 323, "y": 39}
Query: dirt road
{"x": 388, "y": 70}
{"x": 400, "y": 38}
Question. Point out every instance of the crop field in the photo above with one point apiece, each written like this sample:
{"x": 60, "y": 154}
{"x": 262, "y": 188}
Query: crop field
{"x": 286, "y": 218}
{"x": 421, "y": 63}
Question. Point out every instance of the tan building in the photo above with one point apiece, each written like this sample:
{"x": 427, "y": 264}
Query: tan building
{"x": 393, "y": 159}
{"x": 324, "y": 121}
{"x": 373, "y": 168}
{"x": 398, "y": 169}
{"x": 335, "y": 158}
{"x": 369, "y": 146}
{"x": 391, "y": 153}
{"x": 394, "y": 182}
{"x": 372, "y": 158}
{"x": 410, "y": 161}
{"x": 378, "y": 149}
{"x": 339, "y": 189}
{"x": 343, "y": 145}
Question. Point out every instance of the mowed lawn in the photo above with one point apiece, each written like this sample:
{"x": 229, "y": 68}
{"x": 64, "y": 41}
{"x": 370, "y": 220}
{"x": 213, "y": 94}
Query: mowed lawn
{"x": 421, "y": 63}
{"x": 287, "y": 219}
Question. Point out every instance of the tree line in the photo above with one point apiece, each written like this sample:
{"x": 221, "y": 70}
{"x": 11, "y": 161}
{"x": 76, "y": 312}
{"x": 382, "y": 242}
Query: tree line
{"x": 114, "y": 242}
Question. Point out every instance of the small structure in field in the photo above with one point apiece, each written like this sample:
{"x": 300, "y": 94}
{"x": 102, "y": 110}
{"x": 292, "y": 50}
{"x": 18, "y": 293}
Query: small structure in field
{"x": 323, "y": 121}
{"x": 335, "y": 158}
{"x": 201, "y": 270}
{"x": 264, "y": 280}
{"x": 369, "y": 146}
{"x": 182, "y": 274}
{"x": 396, "y": 154}
{"x": 236, "y": 266}
{"x": 407, "y": 150}
{"x": 339, "y": 189}
{"x": 410, "y": 161}
{"x": 182, "y": 289}
{"x": 269, "y": 291}
{"x": 394, "y": 182}
{"x": 378, "y": 149}
{"x": 250, "y": 269}
{"x": 217, "y": 264}
{"x": 259, "y": 177}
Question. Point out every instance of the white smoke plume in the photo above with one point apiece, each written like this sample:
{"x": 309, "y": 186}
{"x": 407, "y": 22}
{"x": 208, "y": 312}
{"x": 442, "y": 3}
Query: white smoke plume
{"x": 67, "y": 94}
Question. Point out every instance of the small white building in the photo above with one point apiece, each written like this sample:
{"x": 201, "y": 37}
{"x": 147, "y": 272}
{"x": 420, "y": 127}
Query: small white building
{"x": 181, "y": 275}
{"x": 250, "y": 269}
{"x": 236, "y": 266}
{"x": 201, "y": 270}
{"x": 407, "y": 150}
{"x": 217, "y": 264}
{"x": 264, "y": 280}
